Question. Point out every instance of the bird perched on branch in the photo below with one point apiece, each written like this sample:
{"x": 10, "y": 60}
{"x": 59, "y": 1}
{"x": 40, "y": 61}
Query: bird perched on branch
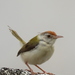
{"x": 39, "y": 49}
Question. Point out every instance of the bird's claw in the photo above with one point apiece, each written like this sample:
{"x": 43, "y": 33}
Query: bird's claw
{"x": 33, "y": 73}
{"x": 27, "y": 70}
{"x": 50, "y": 73}
{"x": 46, "y": 73}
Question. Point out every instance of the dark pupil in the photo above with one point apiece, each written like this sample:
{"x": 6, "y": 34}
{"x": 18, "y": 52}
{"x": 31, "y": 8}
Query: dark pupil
{"x": 48, "y": 36}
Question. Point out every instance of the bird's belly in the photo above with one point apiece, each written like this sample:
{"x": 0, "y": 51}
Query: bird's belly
{"x": 37, "y": 56}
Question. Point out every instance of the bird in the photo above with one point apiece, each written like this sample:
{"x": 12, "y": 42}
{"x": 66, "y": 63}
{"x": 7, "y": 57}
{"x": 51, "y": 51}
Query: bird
{"x": 38, "y": 50}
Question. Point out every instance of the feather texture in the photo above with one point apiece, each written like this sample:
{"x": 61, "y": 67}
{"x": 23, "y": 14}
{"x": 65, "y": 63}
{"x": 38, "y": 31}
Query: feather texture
{"x": 29, "y": 46}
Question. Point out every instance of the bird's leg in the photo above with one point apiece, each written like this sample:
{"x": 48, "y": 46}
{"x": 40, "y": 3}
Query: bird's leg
{"x": 33, "y": 73}
{"x": 40, "y": 68}
{"x": 28, "y": 67}
{"x": 43, "y": 70}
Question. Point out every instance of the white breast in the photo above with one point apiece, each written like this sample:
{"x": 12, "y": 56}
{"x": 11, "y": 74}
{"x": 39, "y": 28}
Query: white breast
{"x": 39, "y": 55}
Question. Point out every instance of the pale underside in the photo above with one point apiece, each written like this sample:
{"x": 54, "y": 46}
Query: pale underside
{"x": 39, "y": 54}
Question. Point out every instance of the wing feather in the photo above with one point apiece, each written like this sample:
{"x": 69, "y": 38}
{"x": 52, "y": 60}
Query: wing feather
{"x": 29, "y": 46}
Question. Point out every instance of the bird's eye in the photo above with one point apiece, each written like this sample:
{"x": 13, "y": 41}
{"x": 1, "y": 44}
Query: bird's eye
{"x": 48, "y": 36}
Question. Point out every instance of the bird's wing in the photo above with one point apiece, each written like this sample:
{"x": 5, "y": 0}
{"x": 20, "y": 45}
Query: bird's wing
{"x": 29, "y": 46}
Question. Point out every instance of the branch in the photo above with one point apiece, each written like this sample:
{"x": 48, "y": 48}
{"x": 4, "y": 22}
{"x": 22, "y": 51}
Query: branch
{"x": 11, "y": 71}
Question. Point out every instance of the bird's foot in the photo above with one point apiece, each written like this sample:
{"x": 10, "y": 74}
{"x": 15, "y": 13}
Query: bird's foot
{"x": 32, "y": 73}
{"x": 50, "y": 73}
{"x": 28, "y": 70}
{"x": 46, "y": 73}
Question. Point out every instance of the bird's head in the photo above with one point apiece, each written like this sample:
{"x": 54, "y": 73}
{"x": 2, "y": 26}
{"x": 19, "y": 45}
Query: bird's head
{"x": 49, "y": 37}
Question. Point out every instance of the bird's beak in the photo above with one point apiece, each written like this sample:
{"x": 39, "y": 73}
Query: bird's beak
{"x": 57, "y": 36}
